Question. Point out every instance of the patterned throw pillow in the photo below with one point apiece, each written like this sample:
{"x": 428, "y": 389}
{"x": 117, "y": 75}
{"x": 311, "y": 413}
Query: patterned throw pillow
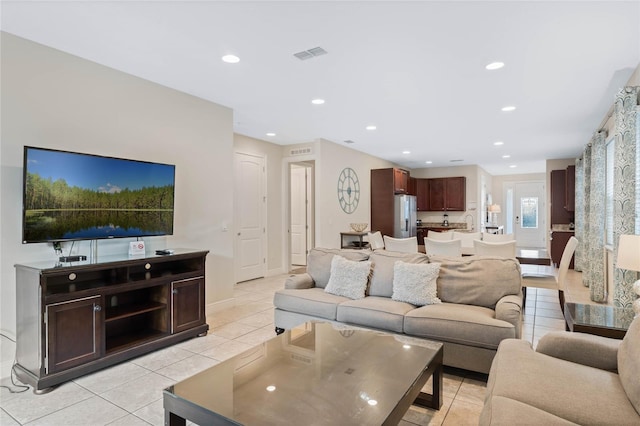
{"x": 415, "y": 283}
{"x": 348, "y": 278}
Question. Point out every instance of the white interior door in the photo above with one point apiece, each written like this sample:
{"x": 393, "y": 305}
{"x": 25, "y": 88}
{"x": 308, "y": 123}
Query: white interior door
{"x": 529, "y": 223}
{"x": 298, "y": 215}
{"x": 250, "y": 212}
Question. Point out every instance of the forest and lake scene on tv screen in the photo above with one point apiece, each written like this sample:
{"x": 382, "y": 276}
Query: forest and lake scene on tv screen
{"x": 78, "y": 196}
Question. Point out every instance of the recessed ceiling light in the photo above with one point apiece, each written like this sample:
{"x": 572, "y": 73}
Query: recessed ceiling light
{"x": 506, "y": 156}
{"x": 428, "y": 162}
{"x": 372, "y": 402}
{"x": 230, "y": 59}
{"x": 498, "y": 143}
{"x": 317, "y": 101}
{"x": 271, "y": 134}
{"x": 371, "y": 127}
{"x": 406, "y": 152}
{"x": 513, "y": 166}
{"x": 495, "y": 66}
{"x": 508, "y": 108}
{"x": 271, "y": 388}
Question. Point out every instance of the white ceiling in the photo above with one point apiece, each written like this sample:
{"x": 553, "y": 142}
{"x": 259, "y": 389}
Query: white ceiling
{"x": 414, "y": 69}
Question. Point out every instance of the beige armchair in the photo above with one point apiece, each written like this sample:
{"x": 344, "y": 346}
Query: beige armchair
{"x": 580, "y": 379}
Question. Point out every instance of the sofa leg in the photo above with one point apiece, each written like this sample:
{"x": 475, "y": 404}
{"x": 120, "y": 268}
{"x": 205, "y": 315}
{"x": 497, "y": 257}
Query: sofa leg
{"x": 279, "y": 330}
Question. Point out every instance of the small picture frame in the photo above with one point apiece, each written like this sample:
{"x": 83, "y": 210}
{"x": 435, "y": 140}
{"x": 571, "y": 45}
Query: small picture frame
{"x": 136, "y": 248}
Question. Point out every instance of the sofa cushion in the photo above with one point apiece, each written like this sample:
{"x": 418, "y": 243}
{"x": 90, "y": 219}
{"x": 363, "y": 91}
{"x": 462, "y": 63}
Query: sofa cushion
{"x": 319, "y": 262}
{"x": 415, "y": 283}
{"x": 463, "y": 324}
{"x": 477, "y": 280}
{"x": 503, "y": 411}
{"x": 383, "y": 262}
{"x": 573, "y": 392}
{"x": 629, "y": 363}
{"x": 312, "y": 301}
{"x": 375, "y": 312}
{"x": 348, "y": 278}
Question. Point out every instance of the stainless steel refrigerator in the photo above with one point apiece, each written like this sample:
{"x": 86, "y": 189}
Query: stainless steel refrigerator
{"x": 405, "y": 216}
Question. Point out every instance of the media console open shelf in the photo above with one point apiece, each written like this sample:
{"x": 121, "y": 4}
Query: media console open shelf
{"x": 73, "y": 319}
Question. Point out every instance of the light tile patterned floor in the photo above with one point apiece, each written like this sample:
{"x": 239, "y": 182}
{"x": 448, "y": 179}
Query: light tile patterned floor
{"x": 131, "y": 393}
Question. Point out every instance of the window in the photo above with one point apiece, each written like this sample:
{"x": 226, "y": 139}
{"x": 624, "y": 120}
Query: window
{"x": 608, "y": 225}
{"x": 529, "y": 209}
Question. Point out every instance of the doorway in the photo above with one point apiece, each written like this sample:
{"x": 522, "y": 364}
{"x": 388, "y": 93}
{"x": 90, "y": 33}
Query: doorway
{"x": 250, "y": 211}
{"x": 528, "y": 214}
{"x": 301, "y": 213}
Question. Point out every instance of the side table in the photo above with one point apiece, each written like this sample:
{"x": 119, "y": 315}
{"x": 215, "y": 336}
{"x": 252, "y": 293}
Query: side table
{"x": 602, "y": 320}
{"x": 351, "y": 242}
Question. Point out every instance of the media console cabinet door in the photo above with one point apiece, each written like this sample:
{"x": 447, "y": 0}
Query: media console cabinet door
{"x": 73, "y": 332}
{"x": 187, "y": 304}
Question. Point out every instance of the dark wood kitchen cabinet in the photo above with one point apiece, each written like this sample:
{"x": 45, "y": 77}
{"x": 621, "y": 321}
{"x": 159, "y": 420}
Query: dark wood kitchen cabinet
{"x": 447, "y": 194}
{"x": 400, "y": 181}
{"x": 559, "y": 240}
{"x": 76, "y": 318}
{"x": 559, "y": 212}
{"x": 422, "y": 195}
{"x": 570, "y": 189}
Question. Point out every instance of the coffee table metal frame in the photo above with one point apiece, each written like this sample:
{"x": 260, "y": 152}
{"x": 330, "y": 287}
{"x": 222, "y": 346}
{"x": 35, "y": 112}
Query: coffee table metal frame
{"x": 178, "y": 410}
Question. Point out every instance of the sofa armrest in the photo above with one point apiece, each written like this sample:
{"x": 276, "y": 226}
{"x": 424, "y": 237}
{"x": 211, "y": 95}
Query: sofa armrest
{"x": 299, "y": 281}
{"x": 509, "y": 308}
{"x": 586, "y": 349}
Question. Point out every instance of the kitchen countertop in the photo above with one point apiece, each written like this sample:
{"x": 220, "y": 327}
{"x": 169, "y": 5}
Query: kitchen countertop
{"x": 460, "y": 227}
{"x": 562, "y": 227}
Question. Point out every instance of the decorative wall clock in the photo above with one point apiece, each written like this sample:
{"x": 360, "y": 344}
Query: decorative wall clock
{"x": 348, "y": 190}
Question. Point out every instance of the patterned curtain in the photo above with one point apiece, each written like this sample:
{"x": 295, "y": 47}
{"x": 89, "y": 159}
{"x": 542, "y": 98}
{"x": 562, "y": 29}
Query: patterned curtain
{"x": 624, "y": 205}
{"x": 593, "y": 238}
{"x": 586, "y": 182}
{"x": 579, "y": 219}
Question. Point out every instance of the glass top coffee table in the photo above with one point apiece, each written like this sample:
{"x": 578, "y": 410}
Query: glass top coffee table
{"x": 317, "y": 373}
{"x": 602, "y": 320}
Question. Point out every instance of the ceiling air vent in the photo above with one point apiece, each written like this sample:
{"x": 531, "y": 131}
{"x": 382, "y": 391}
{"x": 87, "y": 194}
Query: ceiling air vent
{"x": 349, "y": 141}
{"x": 311, "y": 53}
{"x": 300, "y": 151}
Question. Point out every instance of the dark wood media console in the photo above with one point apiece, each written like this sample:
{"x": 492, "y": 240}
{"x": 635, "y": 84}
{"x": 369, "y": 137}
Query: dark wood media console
{"x": 73, "y": 319}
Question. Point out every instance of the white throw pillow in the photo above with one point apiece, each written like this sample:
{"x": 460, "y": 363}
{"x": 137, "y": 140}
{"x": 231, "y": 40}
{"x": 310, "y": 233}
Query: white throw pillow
{"x": 415, "y": 283}
{"x": 348, "y": 278}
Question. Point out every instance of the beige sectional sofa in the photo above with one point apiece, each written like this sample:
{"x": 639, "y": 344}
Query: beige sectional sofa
{"x": 481, "y": 302}
{"x": 571, "y": 378}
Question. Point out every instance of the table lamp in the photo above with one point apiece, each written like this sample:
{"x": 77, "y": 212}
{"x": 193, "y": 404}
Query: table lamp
{"x": 494, "y": 209}
{"x": 629, "y": 259}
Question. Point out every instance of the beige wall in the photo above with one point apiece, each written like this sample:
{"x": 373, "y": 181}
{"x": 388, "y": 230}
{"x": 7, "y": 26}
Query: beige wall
{"x": 332, "y": 158}
{"x": 54, "y": 100}
{"x": 275, "y": 233}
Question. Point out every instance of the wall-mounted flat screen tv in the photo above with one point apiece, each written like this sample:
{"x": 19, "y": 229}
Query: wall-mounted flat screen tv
{"x": 74, "y": 196}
